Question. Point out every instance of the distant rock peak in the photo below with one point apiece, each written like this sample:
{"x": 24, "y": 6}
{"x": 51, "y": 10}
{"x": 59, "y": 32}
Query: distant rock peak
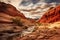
{"x": 51, "y": 16}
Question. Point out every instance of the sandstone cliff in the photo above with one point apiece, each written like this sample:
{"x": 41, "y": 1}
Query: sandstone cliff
{"x": 53, "y": 15}
{"x": 12, "y": 22}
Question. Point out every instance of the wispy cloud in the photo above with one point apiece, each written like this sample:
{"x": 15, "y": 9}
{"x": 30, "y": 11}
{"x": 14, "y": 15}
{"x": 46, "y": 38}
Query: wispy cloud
{"x": 50, "y": 1}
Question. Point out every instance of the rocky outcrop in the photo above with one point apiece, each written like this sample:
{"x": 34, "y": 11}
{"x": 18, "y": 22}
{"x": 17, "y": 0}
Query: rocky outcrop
{"x": 53, "y": 15}
{"x": 12, "y": 22}
{"x": 10, "y": 10}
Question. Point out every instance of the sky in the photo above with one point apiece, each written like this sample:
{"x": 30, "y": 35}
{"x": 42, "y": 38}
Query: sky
{"x": 27, "y": 2}
{"x": 49, "y": 1}
{"x": 32, "y": 4}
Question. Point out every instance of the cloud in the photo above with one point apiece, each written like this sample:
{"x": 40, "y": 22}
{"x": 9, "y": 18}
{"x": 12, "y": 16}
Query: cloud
{"x": 50, "y": 1}
{"x": 25, "y": 2}
{"x": 35, "y": 1}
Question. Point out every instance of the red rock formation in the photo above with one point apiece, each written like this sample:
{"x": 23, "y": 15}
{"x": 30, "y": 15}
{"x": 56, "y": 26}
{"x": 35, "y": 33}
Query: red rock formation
{"x": 10, "y": 10}
{"x": 51, "y": 16}
{"x": 12, "y": 22}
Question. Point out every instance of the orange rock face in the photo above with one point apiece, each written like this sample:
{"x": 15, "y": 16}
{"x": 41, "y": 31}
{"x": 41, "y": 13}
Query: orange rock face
{"x": 10, "y": 10}
{"x": 51, "y": 16}
{"x": 12, "y": 22}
